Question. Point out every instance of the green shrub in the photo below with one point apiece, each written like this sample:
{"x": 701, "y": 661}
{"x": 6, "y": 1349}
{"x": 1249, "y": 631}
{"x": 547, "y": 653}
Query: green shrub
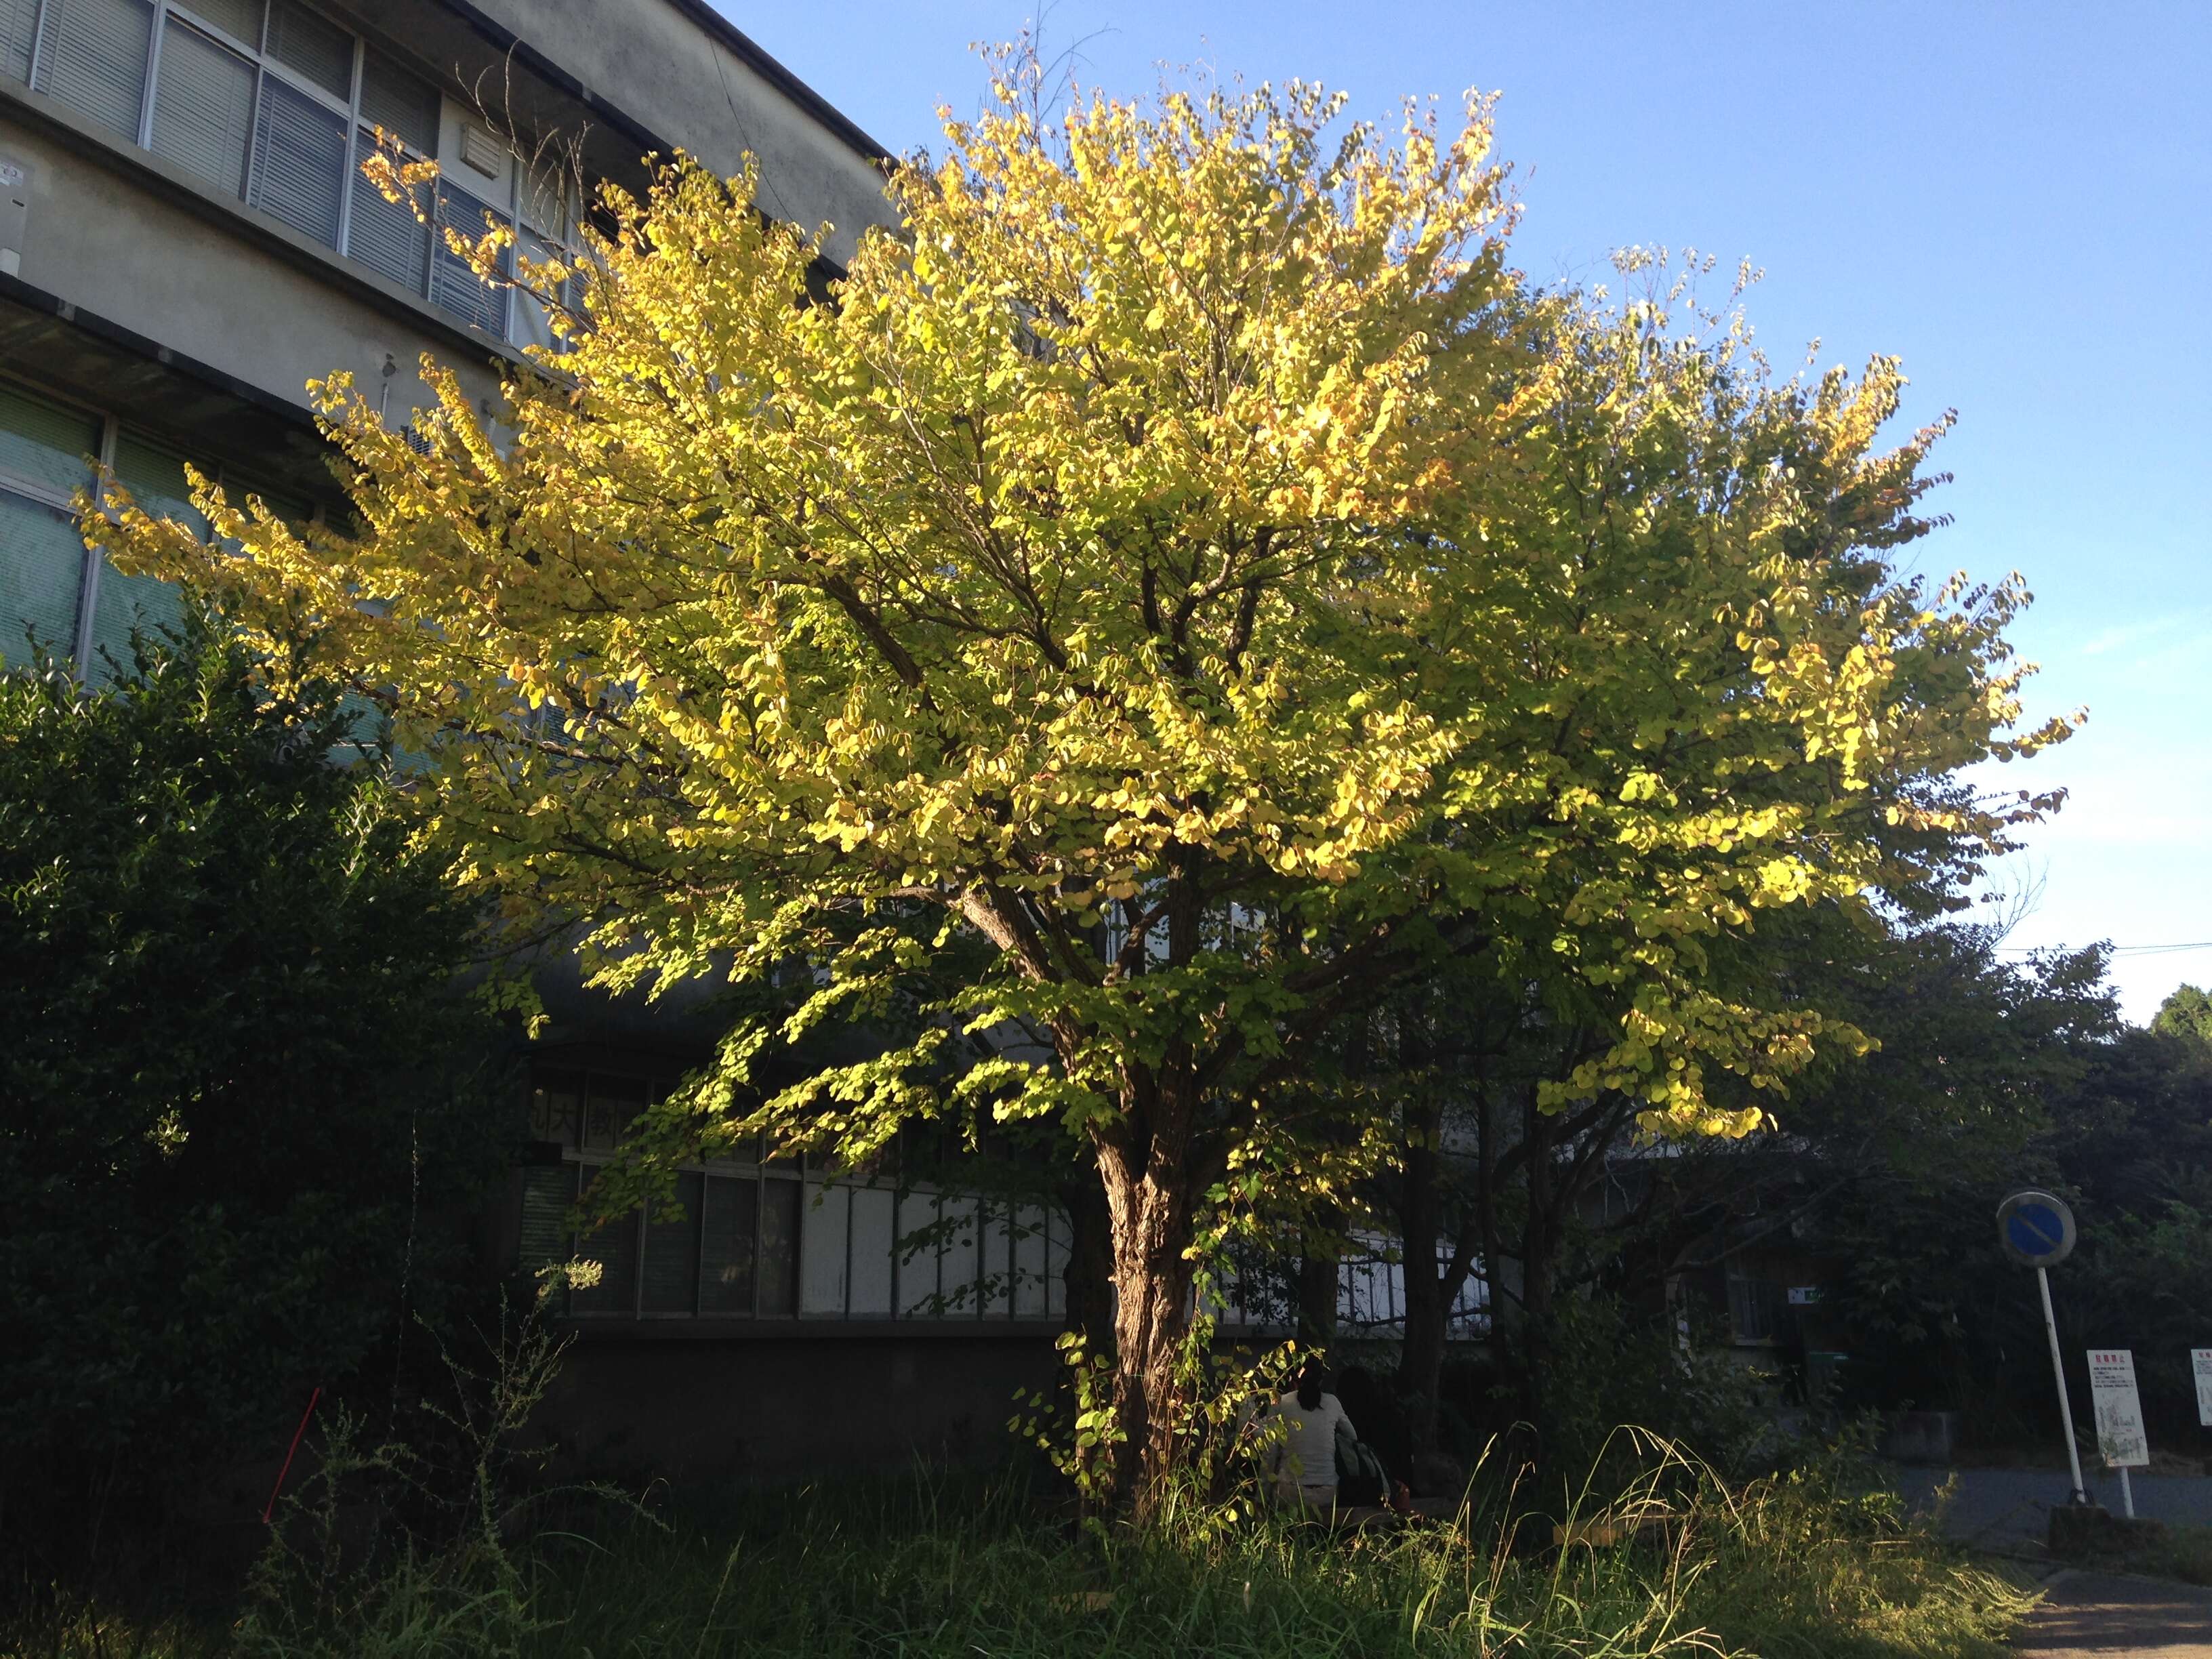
{"x": 236, "y": 1088}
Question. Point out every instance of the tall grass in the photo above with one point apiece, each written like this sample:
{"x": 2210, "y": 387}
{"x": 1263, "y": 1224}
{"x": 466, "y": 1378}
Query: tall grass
{"x": 1680, "y": 1563}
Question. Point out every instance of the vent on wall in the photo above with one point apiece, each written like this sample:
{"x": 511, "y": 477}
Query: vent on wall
{"x": 480, "y": 150}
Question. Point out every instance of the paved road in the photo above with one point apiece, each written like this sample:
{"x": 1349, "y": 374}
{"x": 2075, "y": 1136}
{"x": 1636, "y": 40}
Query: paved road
{"x": 2004, "y": 1508}
{"x": 2096, "y": 1616}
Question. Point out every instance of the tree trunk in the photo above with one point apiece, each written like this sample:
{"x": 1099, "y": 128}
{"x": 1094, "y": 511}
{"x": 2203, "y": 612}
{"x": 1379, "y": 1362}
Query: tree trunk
{"x": 1421, "y": 1357}
{"x": 1319, "y": 1270}
{"x": 1530, "y": 1368}
{"x": 1151, "y": 1209}
{"x": 1089, "y": 1273}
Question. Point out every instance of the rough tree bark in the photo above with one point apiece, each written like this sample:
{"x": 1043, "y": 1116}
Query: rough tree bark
{"x": 1149, "y": 1198}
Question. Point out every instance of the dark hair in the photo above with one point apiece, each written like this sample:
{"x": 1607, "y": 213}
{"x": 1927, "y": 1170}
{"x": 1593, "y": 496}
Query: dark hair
{"x": 1310, "y": 1381}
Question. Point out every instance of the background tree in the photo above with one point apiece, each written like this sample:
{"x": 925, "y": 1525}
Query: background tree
{"x": 2186, "y": 1013}
{"x": 1166, "y": 561}
{"x": 239, "y": 1099}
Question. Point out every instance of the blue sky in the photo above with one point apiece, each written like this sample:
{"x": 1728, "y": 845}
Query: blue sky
{"x": 2012, "y": 197}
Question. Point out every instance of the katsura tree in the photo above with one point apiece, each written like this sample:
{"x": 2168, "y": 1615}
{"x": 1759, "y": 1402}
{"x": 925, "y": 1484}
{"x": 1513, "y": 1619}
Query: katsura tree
{"x": 1163, "y": 560}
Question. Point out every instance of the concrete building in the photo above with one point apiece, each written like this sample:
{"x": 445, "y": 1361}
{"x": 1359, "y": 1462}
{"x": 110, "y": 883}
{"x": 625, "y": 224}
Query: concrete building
{"x": 185, "y": 241}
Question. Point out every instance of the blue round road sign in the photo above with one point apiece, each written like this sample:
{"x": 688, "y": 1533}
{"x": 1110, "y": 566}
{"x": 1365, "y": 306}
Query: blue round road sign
{"x": 2035, "y": 1230}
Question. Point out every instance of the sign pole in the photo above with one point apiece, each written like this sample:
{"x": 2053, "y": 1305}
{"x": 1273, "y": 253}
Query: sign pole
{"x": 2127, "y": 1493}
{"x": 2065, "y": 1406}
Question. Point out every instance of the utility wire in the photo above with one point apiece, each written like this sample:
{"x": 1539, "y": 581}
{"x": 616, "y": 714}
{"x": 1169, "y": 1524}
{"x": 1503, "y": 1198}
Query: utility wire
{"x": 2117, "y": 949}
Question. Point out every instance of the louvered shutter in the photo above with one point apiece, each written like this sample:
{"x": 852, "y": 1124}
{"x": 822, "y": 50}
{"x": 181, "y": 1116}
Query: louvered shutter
{"x": 42, "y": 555}
{"x": 204, "y": 107}
{"x": 387, "y": 236}
{"x": 95, "y": 59}
{"x": 156, "y": 481}
{"x": 299, "y": 161}
{"x": 18, "y": 19}
{"x": 453, "y": 284}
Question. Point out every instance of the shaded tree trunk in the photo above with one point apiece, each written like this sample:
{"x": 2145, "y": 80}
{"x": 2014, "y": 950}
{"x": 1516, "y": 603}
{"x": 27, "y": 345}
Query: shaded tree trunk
{"x": 1320, "y": 1253}
{"x": 1421, "y": 1356}
{"x": 1089, "y": 1275}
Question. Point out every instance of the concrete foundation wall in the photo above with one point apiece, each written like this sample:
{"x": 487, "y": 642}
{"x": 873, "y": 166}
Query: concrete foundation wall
{"x": 702, "y": 1411}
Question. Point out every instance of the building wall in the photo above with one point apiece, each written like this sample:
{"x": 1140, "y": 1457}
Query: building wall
{"x": 119, "y": 231}
{"x": 706, "y": 94}
{"x": 131, "y": 239}
{"x": 709, "y": 1412}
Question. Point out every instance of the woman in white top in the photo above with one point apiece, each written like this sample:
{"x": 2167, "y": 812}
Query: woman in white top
{"x": 1305, "y": 1460}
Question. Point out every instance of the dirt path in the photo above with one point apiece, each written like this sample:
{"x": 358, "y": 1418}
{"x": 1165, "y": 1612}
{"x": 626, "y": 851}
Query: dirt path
{"x": 2101, "y": 1615}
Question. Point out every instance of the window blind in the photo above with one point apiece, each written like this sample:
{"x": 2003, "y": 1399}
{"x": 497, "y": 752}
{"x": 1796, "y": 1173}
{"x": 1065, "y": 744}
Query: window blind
{"x": 299, "y": 161}
{"x": 204, "y": 107}
{"x": 41, "y": 568}
{"x": 18, "y": 18}
{"x": 670, "y": 1280}
{"x": 533, "y": 323}
{"x": 317, "y": 50}
{"x": 45, "y": 444}
{"x": 614, "y": 1247}
{"x": 403, "y": 107}
{"x": 387, "y": 236}
{"x": 453, "y": 284}
{"x": 779, "y": 1255}
{"x": 547, "y": 1190}
{"x": 156, "y": 481}
{"x": 730, "y": 1217}
{"x": 95, "y": 59}
{"x": 240, "y": 19}
{"x": 825, "y": 1221}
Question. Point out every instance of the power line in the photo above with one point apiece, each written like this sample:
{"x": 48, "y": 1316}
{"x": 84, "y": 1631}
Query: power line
{"x": 2117, "y": 949}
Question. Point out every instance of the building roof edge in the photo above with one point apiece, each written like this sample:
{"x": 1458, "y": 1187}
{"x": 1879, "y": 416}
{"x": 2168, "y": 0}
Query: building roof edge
{"x": 716, "y": 27}
{"x": 770, "y": 70}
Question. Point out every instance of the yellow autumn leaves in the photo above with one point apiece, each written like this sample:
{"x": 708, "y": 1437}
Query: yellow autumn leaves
{"x": 1187, "y": 512}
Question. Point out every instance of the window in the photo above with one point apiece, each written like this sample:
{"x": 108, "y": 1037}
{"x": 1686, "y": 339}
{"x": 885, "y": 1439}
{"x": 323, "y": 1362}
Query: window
{"x": 43, "y": 447}
{"x": 754, "y": 1239}
{"x": 1756, "y": 1308}
{"x": 299, "y": 161}
{"x": 73, "y": 604}
{"x": 203, "y": 108}
{"x": 273, "y": 103}
{"x": 1259, "y": 1290}
{"x": 453, "y": 283}
{"x": 156, "y": 481}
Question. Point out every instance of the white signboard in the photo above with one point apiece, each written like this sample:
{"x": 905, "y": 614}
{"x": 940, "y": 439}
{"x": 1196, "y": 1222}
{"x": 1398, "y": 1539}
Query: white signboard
{"x": 2200, "y": 1361}
{"x": 2120, "y": 1439}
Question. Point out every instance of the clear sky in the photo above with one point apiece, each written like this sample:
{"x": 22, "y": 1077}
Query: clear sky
{"x": 2011, "y": 197}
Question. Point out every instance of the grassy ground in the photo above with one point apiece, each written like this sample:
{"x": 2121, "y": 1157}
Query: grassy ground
{"x": 1791, "y": 1567}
